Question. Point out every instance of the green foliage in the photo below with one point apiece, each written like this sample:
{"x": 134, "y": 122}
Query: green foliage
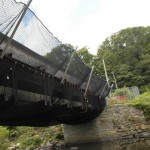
{"x": 56, "y": 134}
{"x": 13, "y": 132}
{"x": 85, "y": 56}
{"x": 31, "y": 142}
{"x": 142, "y": 102}
{"x": 145, "y": 88}
{"x": 4, "y": 133}
{"x": 127, "y": 53}
{"x": 124, "y": 92}
{"x": 29, "y": 137}
{"x": 4, "y": 146}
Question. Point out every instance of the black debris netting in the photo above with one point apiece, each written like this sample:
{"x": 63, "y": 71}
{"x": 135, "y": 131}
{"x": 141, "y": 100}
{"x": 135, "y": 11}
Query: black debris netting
{"x": 33, "y": 41}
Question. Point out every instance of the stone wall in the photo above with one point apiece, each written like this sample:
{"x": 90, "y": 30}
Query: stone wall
{"x": 116, "y": 122}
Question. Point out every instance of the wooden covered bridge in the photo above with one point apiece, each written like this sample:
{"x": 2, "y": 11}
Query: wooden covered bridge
{"x": 40, "y": 91}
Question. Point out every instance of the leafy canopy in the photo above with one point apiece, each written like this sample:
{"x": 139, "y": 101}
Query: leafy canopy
{"x": 127, "y": 53}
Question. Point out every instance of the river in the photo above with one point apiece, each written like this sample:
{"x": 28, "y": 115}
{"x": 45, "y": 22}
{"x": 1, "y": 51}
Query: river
{"x": 130, "y": 144}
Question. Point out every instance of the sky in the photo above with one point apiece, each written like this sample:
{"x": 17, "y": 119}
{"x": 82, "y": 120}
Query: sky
{"x": 89, "y": 22}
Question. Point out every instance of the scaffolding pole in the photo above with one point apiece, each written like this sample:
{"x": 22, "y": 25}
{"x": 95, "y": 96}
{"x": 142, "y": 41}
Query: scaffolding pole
{"x": 89, "y": 81}
{"x": 107, "y": 79}
{"x": 62, "y": 81}
{"x": 15, "y": 29}
{"x": 106, "y": 72}
{"x": 115, "y": 80}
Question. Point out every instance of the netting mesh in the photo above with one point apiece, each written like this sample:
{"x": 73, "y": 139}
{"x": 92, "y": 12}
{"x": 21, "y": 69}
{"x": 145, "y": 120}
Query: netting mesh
{"x": 9, "y": 16}
{"x": 33, "y": 41}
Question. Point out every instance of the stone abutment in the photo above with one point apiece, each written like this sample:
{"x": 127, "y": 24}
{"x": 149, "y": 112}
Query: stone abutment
{"x": 116, "y": 122}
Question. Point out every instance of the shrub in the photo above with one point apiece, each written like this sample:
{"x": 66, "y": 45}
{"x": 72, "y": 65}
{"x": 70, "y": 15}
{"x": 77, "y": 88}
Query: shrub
{"x": 124, "y": 92}
{"x": 145, "y": 88}
{"x": 3, "y": 138}
{"x": 3, "y": 133}
{"x": 31, "y": 142}
{"x": 143, "y": 102}
{"x": 13, "y": 132}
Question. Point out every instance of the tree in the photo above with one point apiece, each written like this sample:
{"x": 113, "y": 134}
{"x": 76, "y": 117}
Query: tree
{"x": 127, "y": 53}
{"x": 85, "y": 56}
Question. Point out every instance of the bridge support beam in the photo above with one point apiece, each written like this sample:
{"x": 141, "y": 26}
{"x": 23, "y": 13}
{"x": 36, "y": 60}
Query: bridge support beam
{"x": 116, "y": 122}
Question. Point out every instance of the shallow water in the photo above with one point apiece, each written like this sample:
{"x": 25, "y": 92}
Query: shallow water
{"x": 130, "y": 144}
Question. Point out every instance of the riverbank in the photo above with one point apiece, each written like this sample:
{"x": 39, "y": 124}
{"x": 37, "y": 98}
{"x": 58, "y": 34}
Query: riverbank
{"x": 141, "y": 102}
{"x": 118, "y": 121}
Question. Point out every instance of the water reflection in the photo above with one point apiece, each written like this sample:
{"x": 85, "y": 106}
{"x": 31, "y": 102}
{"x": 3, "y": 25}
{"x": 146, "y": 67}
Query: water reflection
{"x": 132, "y": 144}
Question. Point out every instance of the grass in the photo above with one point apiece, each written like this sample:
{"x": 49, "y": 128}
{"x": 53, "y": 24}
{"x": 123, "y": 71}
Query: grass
{"x": 30, "y": 137}
{"x": 3, "y": 138}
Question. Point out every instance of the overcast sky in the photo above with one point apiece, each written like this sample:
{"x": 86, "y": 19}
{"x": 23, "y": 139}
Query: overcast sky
{"x": 88, "y": 22}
